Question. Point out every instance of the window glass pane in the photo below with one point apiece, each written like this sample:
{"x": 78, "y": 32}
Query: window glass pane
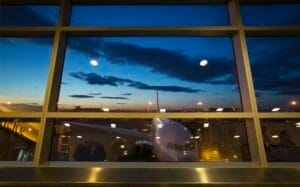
{"x": 275, "y": 63}
{"x": 23, "y": 73}
{"x": 18, "y": 138}
{"x": 149, "y": 74}
{"x": 149, "y": 15}
{"x": 271, "y": 14}
{"x": 153, "y": 140}
{"x": 282, "y": 139}
{"x": 28, "y": 15}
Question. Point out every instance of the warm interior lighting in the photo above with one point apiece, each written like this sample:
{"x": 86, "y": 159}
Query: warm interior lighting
{"x": 105, "y": 109}
{"x": 205, "y": 125}
{"x": 220, "y": 109}
{"x": 113, "y": 125}
{"x": 94, "y": 62}
{"x": 67, "y": 124}
{"x": 275, "y": 109}
{"x": 298, "y": 124}
{"x": 122, "y": 146}
{"x": 203, "y": 62}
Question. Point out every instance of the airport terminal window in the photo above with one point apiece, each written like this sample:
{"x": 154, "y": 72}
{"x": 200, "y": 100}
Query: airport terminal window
{"x": 281, "y": 139}
{"x": 275, "y": 63}
{"x": 150, "y": 140}
{"x": 23, "y": 72}
{"x": 149, "y": 15}
{"x": 31, "y": 15}
{"x": 149, "y": 74}
{"x": 18, "y": 138}
{"x": 271, "y": 14}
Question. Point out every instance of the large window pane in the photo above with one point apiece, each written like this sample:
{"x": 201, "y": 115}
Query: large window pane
{"x": 271, "y": 14}
{"x": 18, "y": 138}
{"x": 152, "y": 140}
{"x": 275, "y": 63}
{"x": 149, "y": 15}
{"x": 149, "y": 74}
{"x": 23, "y": 73}
{"x": 281, "y": 139}
{"x": 28, "y": 15}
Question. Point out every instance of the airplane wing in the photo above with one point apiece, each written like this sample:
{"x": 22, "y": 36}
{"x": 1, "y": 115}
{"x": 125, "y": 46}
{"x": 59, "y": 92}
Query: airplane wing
{"x": 122, "y": 131}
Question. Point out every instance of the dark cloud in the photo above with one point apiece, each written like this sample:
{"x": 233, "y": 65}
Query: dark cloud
{"x": 276, "y": 69}
{"x": 127, "y": 94}
{"x": 98, "y": 93}
{"x": 109, "y": 97}
{"x": 81, "y": 96}
{"x": 95, "y": 79}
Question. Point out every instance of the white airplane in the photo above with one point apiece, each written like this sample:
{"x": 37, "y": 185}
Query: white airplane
{"x": 170, "y": 141}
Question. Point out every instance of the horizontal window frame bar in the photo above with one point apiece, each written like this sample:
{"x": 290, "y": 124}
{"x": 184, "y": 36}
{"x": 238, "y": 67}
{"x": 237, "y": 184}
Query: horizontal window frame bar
{"x": 20, "y": 115}
{"x": 272, "y": 30}
{"x": 27, "y": 31}
{"x": 278, "y": 115}
{"x": 144, "y": 115}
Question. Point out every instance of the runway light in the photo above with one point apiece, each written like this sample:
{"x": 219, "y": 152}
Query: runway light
{"x": 162, "y": 110}
{"x": 122, "y": 146}
{"x": 275, "y": 136}
{"x": 205, "y": 125}
{"x": 197, "y": 137}
{"x": 105, "y": 109}
{"x": 8, "y": 102}
{"x": 203, "y": 62}
{"x": 293, "y": 103}
{"x": 219, "y": 109}
{"x": 159, "y": 126}
{"x": 79, "y": 137}
{"x": 275, "y": 109}
{"x": 67, "y": 124}
{"x": 94, "y": 62}
{"x": 113, "y": 125}
{"x": 236, "y": 136}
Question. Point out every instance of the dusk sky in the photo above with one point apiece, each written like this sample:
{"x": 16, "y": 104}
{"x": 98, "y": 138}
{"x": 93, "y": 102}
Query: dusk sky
{"x": 132, "y": 69}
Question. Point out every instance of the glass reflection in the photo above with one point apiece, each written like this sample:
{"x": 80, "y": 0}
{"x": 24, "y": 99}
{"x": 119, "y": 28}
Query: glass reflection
{"x": 150, "y": 140}
{"x": 149, "y": 74}
{"x": 18, "y": 138}
{"x": 282, "y": 139}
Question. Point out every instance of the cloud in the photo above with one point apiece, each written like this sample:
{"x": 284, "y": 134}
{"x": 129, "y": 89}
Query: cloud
{"x": 95, "y": 79}
{"x": 109, "y": 97}
{"x": 127, "y": 94}
{"x": 65, "y": 83}
{"x": 81, "y": 96}
{"x": 98, "y": 93}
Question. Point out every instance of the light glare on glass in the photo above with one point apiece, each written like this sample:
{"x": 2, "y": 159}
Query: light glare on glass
{"x": 275, "y": 109}
{"x": 94, "y": 62}
{"x": 67, "y": 124}
{"x": 113, "y": 125}
{"x": 203, "y": 62}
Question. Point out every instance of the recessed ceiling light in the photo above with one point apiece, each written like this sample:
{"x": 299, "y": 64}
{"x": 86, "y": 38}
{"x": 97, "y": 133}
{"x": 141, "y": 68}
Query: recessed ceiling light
{"x": 122, "y": 146}
{"x": 275, "y": 109}
{"x": 203, "y": 62}
{"x": 236, "y": 136}
{"x": 275, "y": 136}
{"x": 79, "y": 137}
{"x": 105, "y": 109}
{"x": 94, "y": 62}
{"x": 205, "y": 125}
{"x": 219, "y": 109}
{"x": 113, "y": 125}
{"x": 162, "y": 110}
{"x": 67, "y": 124}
